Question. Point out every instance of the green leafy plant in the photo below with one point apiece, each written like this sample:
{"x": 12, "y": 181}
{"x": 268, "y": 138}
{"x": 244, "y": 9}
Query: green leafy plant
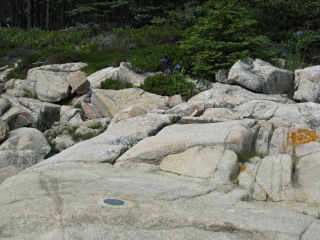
{"x": 115, "y": 85}
{"x": 169, "y": 83}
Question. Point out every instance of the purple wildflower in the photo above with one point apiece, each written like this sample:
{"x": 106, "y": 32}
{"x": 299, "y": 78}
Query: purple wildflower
{"x": 163, "y": 60}
{"x": 177, "y": 67}
{"x": 299, "y": 33}
{"x": 167, "y": 71}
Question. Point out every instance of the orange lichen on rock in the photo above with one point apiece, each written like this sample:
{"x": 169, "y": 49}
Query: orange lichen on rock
{"x": 242, "y": 168}
{"x": 302, "y": 136}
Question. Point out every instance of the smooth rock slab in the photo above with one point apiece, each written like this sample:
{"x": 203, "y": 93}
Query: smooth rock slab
{"x": 110, "y": 102}
{"x": 108, "y": 146}
{"x": 233, "y": 135}
{"x": 217, "y": 163}
{"x": 64, "y": 201}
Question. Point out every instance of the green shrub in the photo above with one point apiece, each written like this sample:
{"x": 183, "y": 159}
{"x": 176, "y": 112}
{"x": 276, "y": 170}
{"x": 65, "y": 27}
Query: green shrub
{"x": 114, "y": 84}
{"x": 169, "y": 84}
{"x": 225, "y": 35}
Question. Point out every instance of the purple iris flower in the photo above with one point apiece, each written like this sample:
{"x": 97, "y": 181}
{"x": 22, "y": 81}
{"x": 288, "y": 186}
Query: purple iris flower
{"x": 163, "y": 60}
{"x": 299, "y": 33}
{"x": 167, "y": 71}
{"x": 177, "y": 67}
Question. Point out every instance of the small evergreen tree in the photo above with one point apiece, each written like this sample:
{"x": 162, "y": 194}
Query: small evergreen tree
{"x": 224, "y": 35}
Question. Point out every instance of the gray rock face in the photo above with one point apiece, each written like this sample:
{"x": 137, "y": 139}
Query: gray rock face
{"x": 28, "y": 88}
{"x": 22, "y": 149}
{"x": 261, "y": 77}
{"x": 4, "y": 105}
{"x": 126, "y": 74}
{"x": 307, "y": 83}
{"x": 96, "y": 78}
{"x": 4, "y": 130}
{"x": 16, "y": 117}
{"x": 67, "y": 113}
{"x": 110, "y": 102}
{"x": 233, "y": 135}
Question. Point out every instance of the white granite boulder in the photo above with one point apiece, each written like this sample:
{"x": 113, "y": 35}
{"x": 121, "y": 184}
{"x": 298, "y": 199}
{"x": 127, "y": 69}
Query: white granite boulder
{"x": 260, "y": 77}
{"x": 307, "y": 84}
{"x": 23, "y": 148}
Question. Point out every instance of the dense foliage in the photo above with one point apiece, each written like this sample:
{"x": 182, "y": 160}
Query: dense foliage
{"x": 200, "y": 35}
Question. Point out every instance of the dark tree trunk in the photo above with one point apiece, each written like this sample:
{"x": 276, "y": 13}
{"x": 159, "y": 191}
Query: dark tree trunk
{"x": 63, "y": 14}
{"x": 30, "y": 14}
{"x": 48, "y": 25}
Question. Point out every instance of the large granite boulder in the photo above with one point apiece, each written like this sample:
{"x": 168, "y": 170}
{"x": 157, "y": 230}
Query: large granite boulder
{"x": 52, "y": 80}
{"x": 23, "y": 148}
{"x": 260, "y": 76}
{"x": 110, "y": 102}
{"x": 307, "y": 84}
{"x": 52, "y": 86}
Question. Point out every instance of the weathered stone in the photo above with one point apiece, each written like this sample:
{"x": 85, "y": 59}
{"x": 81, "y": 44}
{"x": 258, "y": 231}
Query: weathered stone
{"x": 307, "y": 83}
{"x": 218, "y": 164}
{"x": 4, "y": 131}
{"x": 67, "y": 67}
{"x": 92, "y": 123}
{"x": 90, "y": 111}
{"x": 230, "y": 96}
{"x": 222, "y": 75}
{"x": 174, "y": 100}
{"x": 64, "y": 141}
{"x": 126, "y": 74}
{"x": 260, "y": 76}
{"x": 263, "y": 138}
{"x": 75, "y": 119}
{"x": 46, "y": 113}
{"x": 25, "y": 87}
{"x": 128, "y": 112}
{"x": 275, "y": 175}
{"x": 110, "y": 102}
{"x": 16, "y": 117}
{"x": 51, "y": 86}
{"x": 233, "y": 135}
{"x": 108, "y": 146}
{"x": 194, "y": 108}
{"x": 96, "y": 78}
{"x": 78, "y": 82}
{"x": 223, "y": 113}
{"x": 67, "y": 113}
{"x": 4, "y": 106}
{"x": 22, "y": 149}
{"x": 85, "y": 130}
